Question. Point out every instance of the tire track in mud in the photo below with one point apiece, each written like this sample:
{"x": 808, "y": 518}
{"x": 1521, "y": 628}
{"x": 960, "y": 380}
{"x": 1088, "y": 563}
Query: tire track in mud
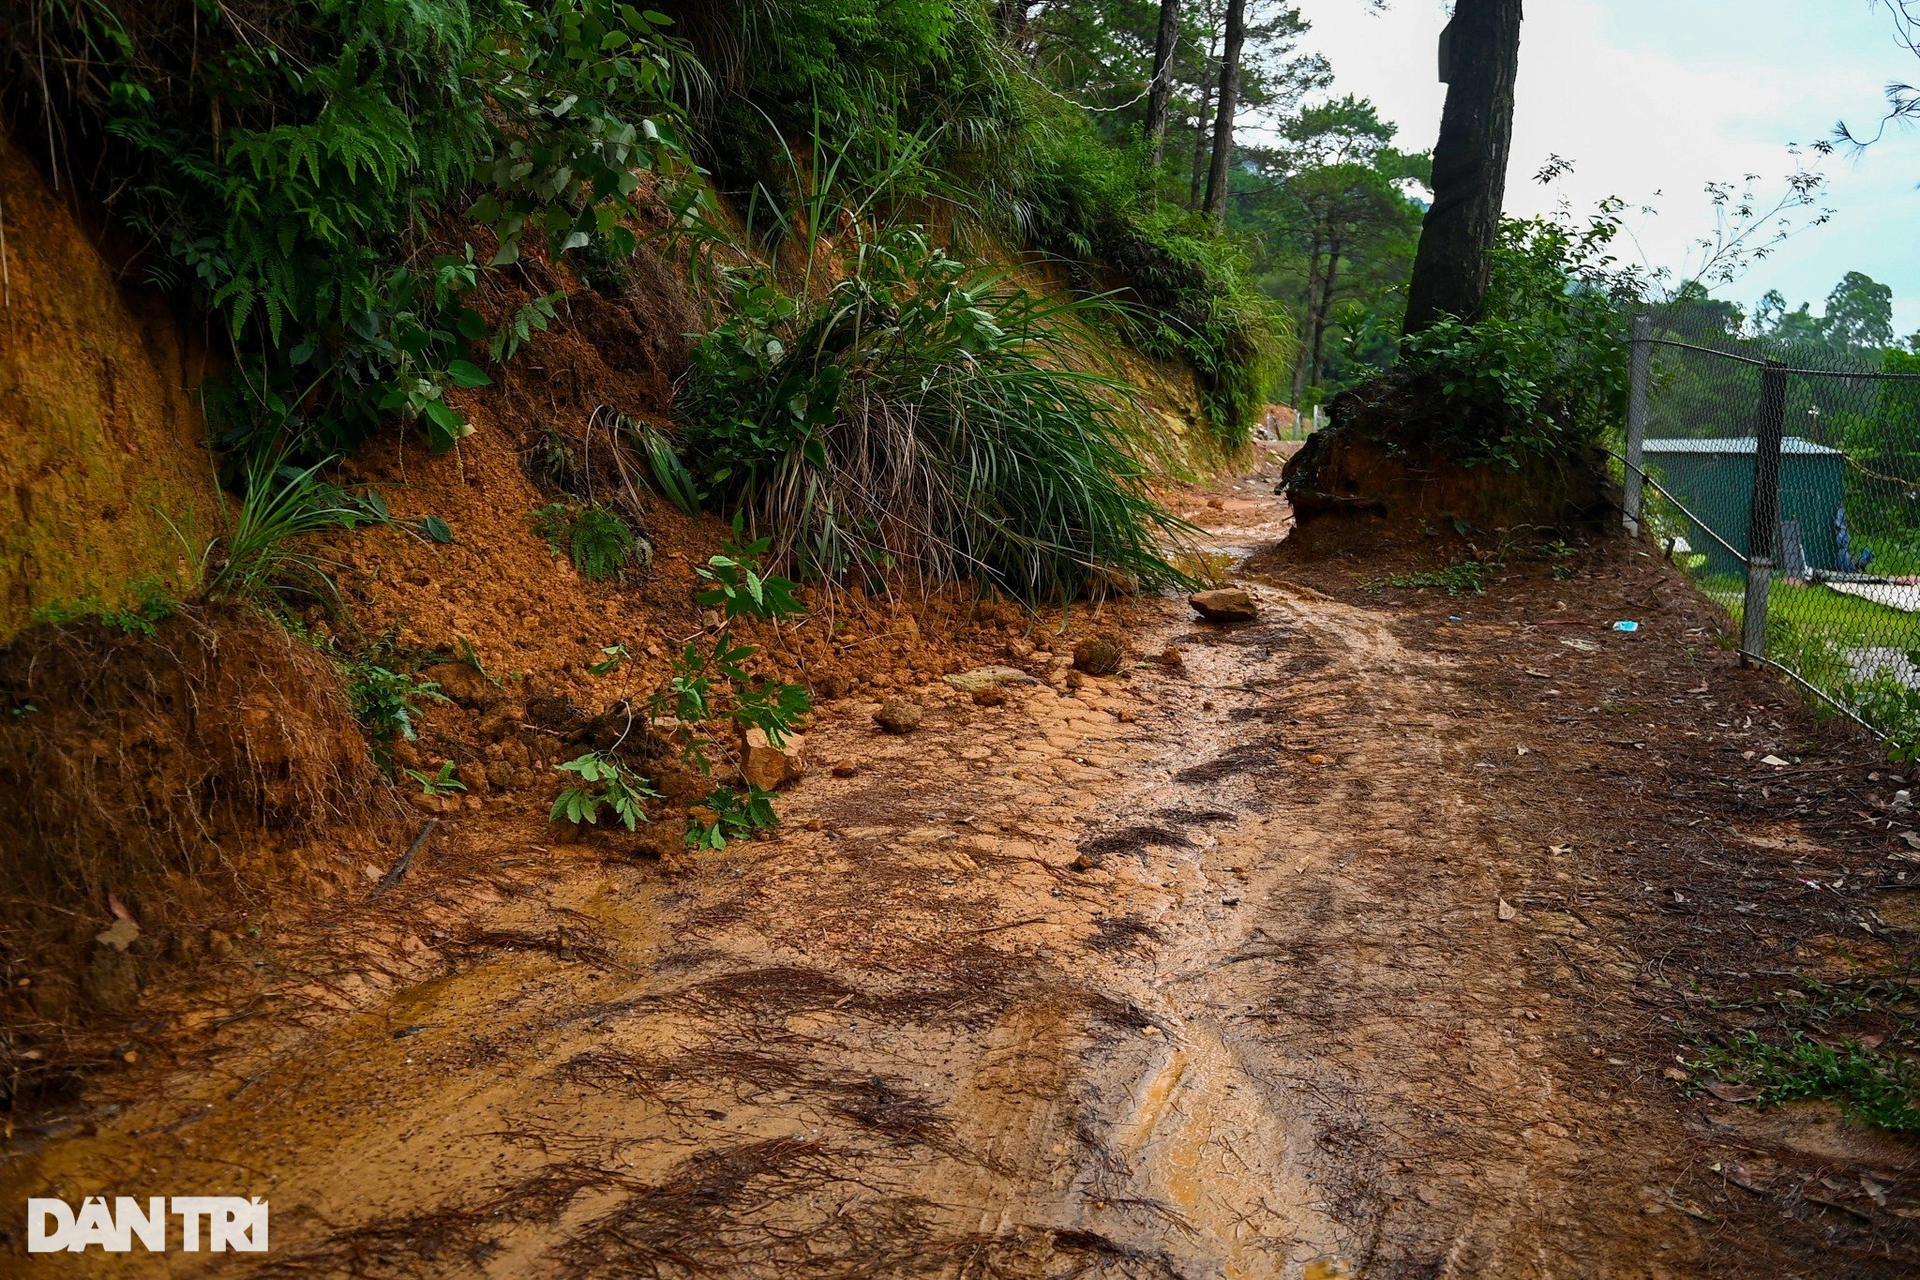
{"x": 1273, "y": 1027}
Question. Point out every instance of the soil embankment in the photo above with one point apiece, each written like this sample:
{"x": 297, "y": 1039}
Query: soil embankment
{"x": 1359, "y": 939}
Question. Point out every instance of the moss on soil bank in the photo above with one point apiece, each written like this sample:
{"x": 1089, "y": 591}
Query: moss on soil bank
{"x": 99, "y": 429}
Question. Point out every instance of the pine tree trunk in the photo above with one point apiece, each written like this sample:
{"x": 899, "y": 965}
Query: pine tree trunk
{"x": 1162, "y": 95}
{"x": 1200, "y": 122}
{"x": 1219, "y": 174}
{"x": 1304, "y": 354}
{"x": 1323, "y": 311}
{"x": 1469, "y": 166}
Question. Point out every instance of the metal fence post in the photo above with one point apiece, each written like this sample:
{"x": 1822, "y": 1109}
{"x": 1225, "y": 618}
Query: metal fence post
{"x": 1763, "y": 522}
{"x": 1642, "y": 349}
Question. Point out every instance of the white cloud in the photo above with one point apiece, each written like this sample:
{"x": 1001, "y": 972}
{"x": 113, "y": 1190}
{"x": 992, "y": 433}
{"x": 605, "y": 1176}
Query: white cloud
{"x": 1662, "y": 96}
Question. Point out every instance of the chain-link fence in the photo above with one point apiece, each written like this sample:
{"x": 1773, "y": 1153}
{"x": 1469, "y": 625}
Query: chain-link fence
{"x": 1787, "y": 482}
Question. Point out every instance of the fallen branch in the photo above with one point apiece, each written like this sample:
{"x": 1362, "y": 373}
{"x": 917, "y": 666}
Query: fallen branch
{"x": 406, "y": 859}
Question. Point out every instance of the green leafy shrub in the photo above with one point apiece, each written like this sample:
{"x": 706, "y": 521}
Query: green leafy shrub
{"x": 711, "y": 683}
{"x": 383, "y": 700}
{"x": 293, "y": 164}
{"x": 1544, "y": 369}
{"x": 728, "y": 814}
{"x": 1187, "y": 290}
{"x": 597, "y": 539}
{"x": 605, "y": 782}
{"x": 921, "y": 413}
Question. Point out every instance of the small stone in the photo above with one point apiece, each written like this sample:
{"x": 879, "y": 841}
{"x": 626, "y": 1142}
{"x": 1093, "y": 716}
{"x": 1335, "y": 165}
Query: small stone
{"x": 1083, "y": 863}
{"x": 845, "y": 768}
{"x": 52, "y": 998}
{"x": 897, "y": 715}
{"x": 1171, "y": 657}
{"x": 1225, "y": 604}
{"x": 832, "y": 687}
{"x": 990, "y": 698}
{"x": 769, "y": 767}
{"x": 983, "y": 678}
{"x": 118, "y": 936}
{"x": 1100, "y": 655}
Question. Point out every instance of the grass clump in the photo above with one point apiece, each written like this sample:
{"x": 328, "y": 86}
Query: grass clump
{"x": 1873, "y": 1085}
{"x": 1461, "y": 578}
{"x": 922, "y": 414}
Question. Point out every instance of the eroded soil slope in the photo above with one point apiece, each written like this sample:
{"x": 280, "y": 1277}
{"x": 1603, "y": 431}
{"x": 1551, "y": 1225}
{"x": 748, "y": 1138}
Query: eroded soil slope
{"x": 1355, "y": 941}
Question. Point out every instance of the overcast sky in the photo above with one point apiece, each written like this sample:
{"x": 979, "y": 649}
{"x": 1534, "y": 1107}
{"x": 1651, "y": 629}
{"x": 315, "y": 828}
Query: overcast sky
{"x": 1662, "y": 96}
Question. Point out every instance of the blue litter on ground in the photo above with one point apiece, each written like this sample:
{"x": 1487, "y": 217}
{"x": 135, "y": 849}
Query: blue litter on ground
{"x": 1625, "y": 625}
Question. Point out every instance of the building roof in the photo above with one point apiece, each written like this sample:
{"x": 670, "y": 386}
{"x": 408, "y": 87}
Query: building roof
{"x": 1733, "y": 445}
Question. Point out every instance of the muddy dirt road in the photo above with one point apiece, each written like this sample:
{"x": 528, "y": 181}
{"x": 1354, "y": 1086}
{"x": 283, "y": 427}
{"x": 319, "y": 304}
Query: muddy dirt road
{"x": 1344, "y": 947}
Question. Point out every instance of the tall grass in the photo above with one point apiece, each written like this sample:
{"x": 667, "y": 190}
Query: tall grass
{"x": 919, "y": 414}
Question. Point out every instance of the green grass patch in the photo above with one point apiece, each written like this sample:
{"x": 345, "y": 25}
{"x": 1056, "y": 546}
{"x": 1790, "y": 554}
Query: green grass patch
{"x": 1874, "y": 1086}
{"x": 1462, "y": 578}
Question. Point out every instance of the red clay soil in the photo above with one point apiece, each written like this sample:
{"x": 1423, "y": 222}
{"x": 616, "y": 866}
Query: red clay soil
{"x": 1366, "y": 938}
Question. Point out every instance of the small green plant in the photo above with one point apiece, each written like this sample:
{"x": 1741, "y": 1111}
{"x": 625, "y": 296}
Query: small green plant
{"x": 605, "y": 781}
{"x": 441, "y": 782}
{"x": 463, "y": 652}
{"x": 727, "y": 814}
{"x": 1463, "y": 577}
{"x": 383, "y": 700}
{"x": 1873, "y": 1085}
{"x": 595, "y": 538}
{"x": 616, "y": 654}
{"x": 711, "y": 682}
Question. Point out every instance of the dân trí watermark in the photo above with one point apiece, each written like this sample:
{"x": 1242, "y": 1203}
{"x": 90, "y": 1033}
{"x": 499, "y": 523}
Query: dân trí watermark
{"x": 222, "y": 1222}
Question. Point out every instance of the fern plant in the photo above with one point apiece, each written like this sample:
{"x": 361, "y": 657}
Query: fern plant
{"x": 596, "y": 539}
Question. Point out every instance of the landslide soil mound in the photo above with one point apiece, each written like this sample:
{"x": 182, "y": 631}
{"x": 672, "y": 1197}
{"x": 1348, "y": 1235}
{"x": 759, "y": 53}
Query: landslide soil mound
{"x": 171, "y": 781}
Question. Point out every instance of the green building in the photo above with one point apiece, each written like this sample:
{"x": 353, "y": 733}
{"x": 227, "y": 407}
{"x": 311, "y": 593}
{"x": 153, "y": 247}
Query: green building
{"x": 1713, "y": 479}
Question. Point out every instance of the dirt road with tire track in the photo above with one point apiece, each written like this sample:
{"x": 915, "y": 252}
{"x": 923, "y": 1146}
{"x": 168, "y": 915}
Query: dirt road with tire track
{"x": 1327, "y": 949}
